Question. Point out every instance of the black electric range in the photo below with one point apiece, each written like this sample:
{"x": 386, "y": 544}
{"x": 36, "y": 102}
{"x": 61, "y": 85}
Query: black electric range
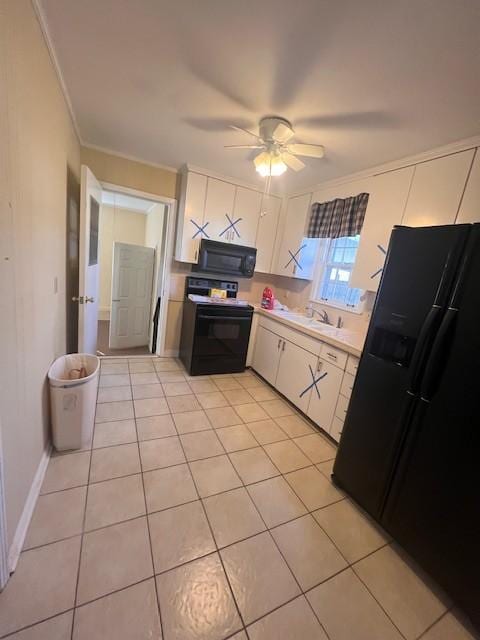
{"x": 215, "y": 333}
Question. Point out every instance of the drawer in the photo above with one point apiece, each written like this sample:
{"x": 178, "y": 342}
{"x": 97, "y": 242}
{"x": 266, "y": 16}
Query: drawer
{"x": 342, "y": 406}
{"x": 333, "y": 355}
{"x": 352, "y": 365}
{"x": 336, "y": 428}
{"x": 296, "y": 337}
{"x": 347, "y": 384}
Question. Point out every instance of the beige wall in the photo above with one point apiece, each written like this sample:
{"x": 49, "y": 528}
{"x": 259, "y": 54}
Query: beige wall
{"x": 129, "y": 173}
{"x": 116, "y": 225}
{"x": 38, "y": 144}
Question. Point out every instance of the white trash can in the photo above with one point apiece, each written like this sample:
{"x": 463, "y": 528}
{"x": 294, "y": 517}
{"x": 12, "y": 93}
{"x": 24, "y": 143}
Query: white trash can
{"x": 73, "y": 401}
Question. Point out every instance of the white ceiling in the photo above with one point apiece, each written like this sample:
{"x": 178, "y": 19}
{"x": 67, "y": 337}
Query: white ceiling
{"x": 372, "y": 80}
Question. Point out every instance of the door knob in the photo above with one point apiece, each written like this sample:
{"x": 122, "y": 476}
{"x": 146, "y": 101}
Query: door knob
{"x": 89, "y": 299}
{"x": 78, "y": 299}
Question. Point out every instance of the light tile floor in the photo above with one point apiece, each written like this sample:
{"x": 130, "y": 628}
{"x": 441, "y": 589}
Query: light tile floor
{"x": 205, "y": 511}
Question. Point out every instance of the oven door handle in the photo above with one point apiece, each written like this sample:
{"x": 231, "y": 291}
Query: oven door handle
{"x": 204, "y": 317}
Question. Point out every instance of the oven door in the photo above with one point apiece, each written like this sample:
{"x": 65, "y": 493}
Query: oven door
{"x": 221, "y": 339}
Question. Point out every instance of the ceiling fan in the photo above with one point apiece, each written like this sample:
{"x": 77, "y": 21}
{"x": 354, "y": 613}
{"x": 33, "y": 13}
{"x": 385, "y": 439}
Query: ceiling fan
{"x": 277, "y": 152}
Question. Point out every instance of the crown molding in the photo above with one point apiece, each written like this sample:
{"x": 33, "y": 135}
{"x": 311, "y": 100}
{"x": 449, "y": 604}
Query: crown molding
{"x": 42, "y": 21}
{"x": 437, "y": 152}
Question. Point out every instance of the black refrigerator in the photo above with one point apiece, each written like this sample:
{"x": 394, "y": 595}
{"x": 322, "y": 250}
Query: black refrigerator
{"x": 410, "y": 448}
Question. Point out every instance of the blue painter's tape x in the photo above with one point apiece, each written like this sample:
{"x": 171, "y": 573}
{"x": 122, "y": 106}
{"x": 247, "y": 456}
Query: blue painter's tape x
{"x": 293, "y": 256}
{"x": 314, "y": 383}
{"x": 378, "y": 271}
{"x": 231, "y": 225}
{"x": 200, "y": 230}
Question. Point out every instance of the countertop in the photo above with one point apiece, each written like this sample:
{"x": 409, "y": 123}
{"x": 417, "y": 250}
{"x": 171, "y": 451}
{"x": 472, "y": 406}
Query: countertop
{"x": 346, "y": 339}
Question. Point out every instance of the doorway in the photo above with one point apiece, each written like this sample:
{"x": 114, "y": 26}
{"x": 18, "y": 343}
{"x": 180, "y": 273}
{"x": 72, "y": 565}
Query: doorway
{"x": 131, "y": 232}
{"x": 125, "y": 251}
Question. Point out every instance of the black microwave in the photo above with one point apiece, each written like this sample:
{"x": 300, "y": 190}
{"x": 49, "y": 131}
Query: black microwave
{"x": 226, "y": 258}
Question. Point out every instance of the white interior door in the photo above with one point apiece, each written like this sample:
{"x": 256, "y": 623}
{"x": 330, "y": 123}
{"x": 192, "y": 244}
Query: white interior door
{"x": 90, "y": 199}
{"x": 131, "y": 295}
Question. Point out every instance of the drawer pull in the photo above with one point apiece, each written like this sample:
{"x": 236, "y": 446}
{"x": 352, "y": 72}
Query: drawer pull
{"x": 331, "y": 355}
{"x": 279, "y": 343}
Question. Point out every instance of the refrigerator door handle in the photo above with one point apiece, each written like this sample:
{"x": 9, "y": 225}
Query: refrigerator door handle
{"x": 434, "y": 366}
{"x": 424, "y": 340}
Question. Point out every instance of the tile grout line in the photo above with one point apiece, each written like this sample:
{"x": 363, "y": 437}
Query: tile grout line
{"x": 84, "y": 515}
{"x": 146, "y": 515}
{"x": 217, "y": 551}
{"x": 280, "y": 552}
{"x": 349, "y": 565}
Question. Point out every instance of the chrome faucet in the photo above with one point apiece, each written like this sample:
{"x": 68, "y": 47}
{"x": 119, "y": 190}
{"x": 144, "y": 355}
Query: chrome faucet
{"x": 323, "y": 315}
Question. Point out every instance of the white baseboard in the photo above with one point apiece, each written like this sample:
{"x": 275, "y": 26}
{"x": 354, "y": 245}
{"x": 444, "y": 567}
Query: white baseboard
{"x": 24, "y": 522}
{"x": 170, "y": 353}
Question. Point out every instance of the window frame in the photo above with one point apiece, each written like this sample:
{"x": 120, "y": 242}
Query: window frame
{"x": 320, "y": 268}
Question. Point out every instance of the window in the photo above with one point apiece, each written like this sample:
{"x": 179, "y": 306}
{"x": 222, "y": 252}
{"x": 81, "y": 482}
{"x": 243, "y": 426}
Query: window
{"x": 334, "y": 277}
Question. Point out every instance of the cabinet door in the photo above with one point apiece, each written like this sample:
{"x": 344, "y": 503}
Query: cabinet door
{"x": 322, "y": 404}
{"x": 190, "y": 221}
{"x": 294, "y": 376}
{"x": 470, "y": 207}
{"x": 246, "y": 213}
{"x": 218, "y": 209}
{"x": 266, "y": 232}
{"x": 267, "y": 354}
{"x": 296, "y": 255}
{"x": 386, "y": 204}
{"x": 436, "y": 190}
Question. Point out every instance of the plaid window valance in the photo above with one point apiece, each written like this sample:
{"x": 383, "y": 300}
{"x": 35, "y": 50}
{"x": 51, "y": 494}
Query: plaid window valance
{"x": 338, "y": 218}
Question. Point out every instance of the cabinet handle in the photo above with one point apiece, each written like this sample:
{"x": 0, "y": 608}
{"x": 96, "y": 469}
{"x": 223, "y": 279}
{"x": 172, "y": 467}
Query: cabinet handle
{"x": 279, "y": 343}
{"x": 283, "y": 346}
{"x": 331, "y": 355}
{"x": 294, "y": 269}
{"x": 319, "y": 366}
{"x": 196, "y": 255}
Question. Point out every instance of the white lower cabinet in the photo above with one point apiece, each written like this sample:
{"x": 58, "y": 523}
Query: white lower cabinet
{"x": 267, "y": 354}
{"x": 324, "y": 398}
{"x": 294, "y": 374}
{"x": 291, "y": 361}
{"x": 336, "y": 428}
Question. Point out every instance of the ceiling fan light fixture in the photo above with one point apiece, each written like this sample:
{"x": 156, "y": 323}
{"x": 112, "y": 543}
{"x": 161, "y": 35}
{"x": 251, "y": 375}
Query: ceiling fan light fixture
{"x": 267, "y": 164}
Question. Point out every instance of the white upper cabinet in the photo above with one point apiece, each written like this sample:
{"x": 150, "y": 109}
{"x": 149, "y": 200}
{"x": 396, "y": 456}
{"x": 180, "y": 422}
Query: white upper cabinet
{"x": 386, "y": 204}
{"x": 296, "y": 254}
{"x": 267, "y": 232}
{"x": 190, "y": 219}
{"x": 219, "y": 210}
{"x": 470, "y": 207}
{"x": 246, "y": 213}
{"x": 437, "y": 189}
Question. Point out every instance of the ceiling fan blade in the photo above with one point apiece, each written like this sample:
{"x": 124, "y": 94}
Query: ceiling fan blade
{"x": 243, "y": 146}
{"x": 293, "y": 162}
{"x": 310, "y": 150}
{"x": 250, "y": 133}
{"x": 282, "y": 132}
